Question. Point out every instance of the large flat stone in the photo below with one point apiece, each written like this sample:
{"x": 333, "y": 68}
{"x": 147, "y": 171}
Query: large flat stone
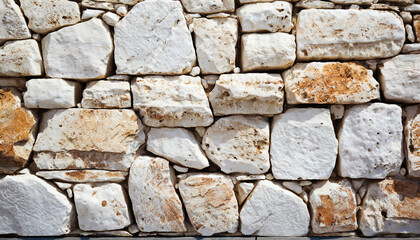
{"x": 154, "y": 39}
{"x": 13, "y": 23}
{"x": 209, "y": 6}
{"x": 80, "y": 176}
{"x": 348, "y": 34}
{"x": 412, "y": 140}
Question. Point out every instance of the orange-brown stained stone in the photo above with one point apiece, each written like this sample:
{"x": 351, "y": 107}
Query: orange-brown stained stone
{"x": 83, "y": 175}
{"x": 17, "y": 126}
{"x": 416, "y": 24}
{"x": 330, "y": 82}
{"x": 412, "y": 140}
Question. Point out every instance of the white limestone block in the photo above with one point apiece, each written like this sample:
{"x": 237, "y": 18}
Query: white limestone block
{"x": 412, "y": 140}
{"x": 111, "y": 18}
{"x": 107, "y": 94}
{"x": 303, "y": 144}
{"x": 92, "y": 13}
{"x": 243, "y": 189}
{"x": 13, "y": 23}
{"x": 209, "y": 6}
{"x": 371, "y": 141}
{"x": 239, "y": 144}
{"x": 79, "y": 176}
{"x": 314, "y": 4}
{"x": 293, "y": 186}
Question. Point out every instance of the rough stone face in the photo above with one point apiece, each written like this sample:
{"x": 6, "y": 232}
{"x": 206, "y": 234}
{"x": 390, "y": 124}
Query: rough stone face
{"x": 243, "y": 189}
{"x": 348, "y": 34}
{"x": 303, "y": 144}
{"x": 13, "y": 23}
{"x": 215, "y": 42}
{"x": 79, "y": 176}
{"x": 271, "y": 210}
{"x": 209, "y": 6}
{"x": 400, "y": 78}
{"x": 330, "y": 82}
{"x": 47, "y": 16}
{"x": 391, "y": 206}
{"x": 239, "y": 144}
{"x": 82, "y": 51}
{"x": 107, "y": 94}
{"x": 210, "y": 203}
{"x": 370, "y": 141}
{"x": 29, "y": 206}
{"x": 167, "y": 142}
{"x": 251, "y": 93}
{"x": 17, "y": 132}
{"x": 51, "y": 93}
{"x": 172, "y": 101}
{"x": 334, "y": 207}
{"x": 416, "y": 25}
{"x": 156, "y": 205}
{"x": 101, "y": 207}
{"x": 154, "y": 39}
{"x": 412, "y": 140}
{"x": 268, "y": 51}
{"x": 84, "y": 138}
{"x": 20, "y": 58}
{"x": 272, "y": 17}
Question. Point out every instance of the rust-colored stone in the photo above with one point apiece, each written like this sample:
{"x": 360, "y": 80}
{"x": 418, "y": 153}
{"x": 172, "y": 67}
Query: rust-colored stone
{"x": 416, "y": 24}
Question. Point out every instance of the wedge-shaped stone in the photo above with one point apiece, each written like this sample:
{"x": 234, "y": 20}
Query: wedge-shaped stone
{"x": 101, "y": 207}
{"x": 107, "y": 94}
{"x": 13, "y": 23}
{"x": 239, "y": 144}
{"x": 334, "y": 207}
{"x": 412, "y": 140}
{"x": 400, "y": 78}
{"x": 271, "y": 210}
{"x": 30, "y": 206}
{"x": 251, "y": 93}
{"x": 156, "y": 205}
{"x": 348, "y": 34}
{"x": 80, "y": 176}
{"x": 272, "y": 17}
{"x": 47, "y": 16}
{"x": 209, "y": 6}
{"x": 51, "y": 93}
{"x": 173, "y": 101}
{"x": 20, "y": 58}
{"x": 82, "y": 51}
{"x": 391, "y": 206}
{"x": 154, "y": 39}
{"x": 210, "y": 203}
{"x": 371, "y": 141}
{"x": 84, "y": 138}
{"x": 215, "y": 43}
{"x": 416, "y": 25}
{"x": 303, "y": 144}
{"x": 167, "y": 142}
{"x": 17, "y": 132}
{"x": 330, "y": 82}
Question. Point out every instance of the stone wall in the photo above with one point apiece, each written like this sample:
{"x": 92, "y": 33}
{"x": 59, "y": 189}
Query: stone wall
{"x": 204, "y": 117}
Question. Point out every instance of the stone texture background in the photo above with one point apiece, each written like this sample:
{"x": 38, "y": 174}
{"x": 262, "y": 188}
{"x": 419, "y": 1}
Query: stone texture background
{"x": 209, "y": 117}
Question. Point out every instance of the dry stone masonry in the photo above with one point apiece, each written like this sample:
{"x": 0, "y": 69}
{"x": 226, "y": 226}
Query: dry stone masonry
{"x": 209, "y": 117}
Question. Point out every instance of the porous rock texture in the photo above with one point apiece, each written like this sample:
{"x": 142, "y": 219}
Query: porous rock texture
{"x": 231, "y": 118}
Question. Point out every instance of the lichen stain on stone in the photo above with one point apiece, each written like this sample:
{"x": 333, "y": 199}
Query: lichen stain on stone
{"x": 408, "y": 203}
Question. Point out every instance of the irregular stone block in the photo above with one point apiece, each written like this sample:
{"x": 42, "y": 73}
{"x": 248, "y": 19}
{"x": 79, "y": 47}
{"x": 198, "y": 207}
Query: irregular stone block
{"x": 391, "y": 206}
{"x": 239, "y": 144}
{"x": 271, "y": 210}
{"x": 172, "y": 101}
{"x": 154, "y": 39}
{"x": 400, "y": 78}
{"x": 107, "y": 94}
{"x": 79, "y": 176}
{"x": 370, "y": 141}
{"x": 18, "y": 128}
{"x": 167, "y": 142}
{"x": 81, "y": 52}
{"x": 334, "y": 207}
{"x": 348, "y": 34}
{"x": 12, "y": 82}
{"x": 20, "y": 58}
{"x": 412, "y": 140}
{"x": 330, "y": 82}
{"x": 243, "y": 190}
{"x": 13, "y": 23}
{"x": 210, "y": 203}
{"x": 84, "y": 138}
{"x": 156, "y": 205}
{"x": 416, "y": 26}
{"x": 101, "y": 207}
{"x": 30, "y": 206}
{"x": 51, "y": 93}
{"x": 268, "y": 51}
{"x": 209, "y": 6}
{"x": 215, "y": 43}
{"x": 251, "y": 93}
{"x": 314, "y": 4}
{"x": 303, "y": 144}
{"x": 47, "y": 16}
{"x": 272, "y": 17}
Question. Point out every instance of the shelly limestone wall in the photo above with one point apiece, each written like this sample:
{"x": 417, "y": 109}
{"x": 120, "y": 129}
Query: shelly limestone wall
{"x": 209, "y": 117}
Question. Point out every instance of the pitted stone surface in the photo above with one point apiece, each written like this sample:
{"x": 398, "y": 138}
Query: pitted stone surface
{"x": 412, "y": 140}
{"x": 20, "y": 58}
{"x": 209, "y": 6}
{"x": 107, "y": 94}
{"x": 13, "y": 23}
